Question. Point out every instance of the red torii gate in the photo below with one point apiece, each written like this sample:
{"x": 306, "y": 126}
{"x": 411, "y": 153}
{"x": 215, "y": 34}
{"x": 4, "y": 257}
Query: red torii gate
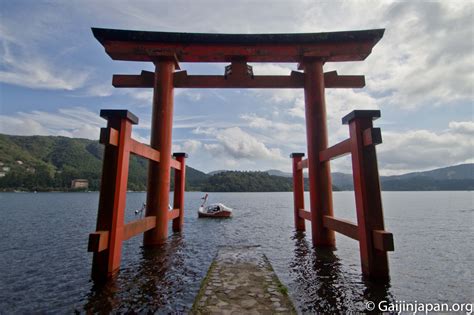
{"x": 166, "y": 50}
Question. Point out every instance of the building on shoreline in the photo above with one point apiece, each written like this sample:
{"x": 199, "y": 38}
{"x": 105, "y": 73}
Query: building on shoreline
{"x": 79, "y": 184}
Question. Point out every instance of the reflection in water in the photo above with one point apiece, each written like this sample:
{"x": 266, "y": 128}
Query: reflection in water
{"x": 163, "y": 276}
{"x": 377, "y": 292}
{"x": 102, "y": 297}
{"x": 159, "y": 277}
{"x": 48, "y": 271}
{"x": 321, "y": 284}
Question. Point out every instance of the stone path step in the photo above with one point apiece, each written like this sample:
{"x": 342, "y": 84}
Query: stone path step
{"x": 241, "y": 280}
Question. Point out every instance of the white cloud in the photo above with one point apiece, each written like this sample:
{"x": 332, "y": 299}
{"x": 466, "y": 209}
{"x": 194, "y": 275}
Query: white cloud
{"x": 238, "y": 144}
{"x": 139, "y": 138}
{"x": 100, "y": 90}
{"x": 339, "y": 102}
{"x": 193, "y": 96}
{"x": 69, "y": 122}
{"x": 143, "y": 96}
{"x": 418, "y": 150}
{"x": 21, "y": 126}
{"x": 424, "y": 149}
{"x": 271, "y": 69}
{"x": 463, "y": 127}
{"x": 24, "y": 64}
{"x": 288, "y": 135}
{"x": 424, "y": 59}
{"x": 190, "y": 147}
{"x": 257, "y": 122}
{"x": 33, "y": 72}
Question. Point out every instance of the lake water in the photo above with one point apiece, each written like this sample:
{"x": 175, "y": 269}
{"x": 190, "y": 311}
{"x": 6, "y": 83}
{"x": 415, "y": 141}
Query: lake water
{"x": 45, "y": 266}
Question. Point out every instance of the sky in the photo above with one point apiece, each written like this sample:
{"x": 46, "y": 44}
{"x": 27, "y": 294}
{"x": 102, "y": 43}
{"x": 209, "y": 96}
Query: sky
{"x": 55, "y": 77}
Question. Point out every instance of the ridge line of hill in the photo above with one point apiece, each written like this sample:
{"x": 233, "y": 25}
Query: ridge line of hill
{"x": 45, "y": 163}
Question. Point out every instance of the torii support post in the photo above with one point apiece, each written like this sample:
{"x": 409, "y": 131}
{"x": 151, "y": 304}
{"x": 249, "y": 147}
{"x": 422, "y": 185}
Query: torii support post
{"x": 179, "y": 187}
{"x": 320, "y": 187}
{"x": 113, "y": 190}
{"x": 367, "y": 192}
{"x": 161, "y": 133}
{"x": 298, "y": 191}
{"x": 374, "y": 241}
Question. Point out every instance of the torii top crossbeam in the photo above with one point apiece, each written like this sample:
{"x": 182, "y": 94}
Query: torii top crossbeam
{"x": 200, "y": 47}
{"x": 237, "y": 49}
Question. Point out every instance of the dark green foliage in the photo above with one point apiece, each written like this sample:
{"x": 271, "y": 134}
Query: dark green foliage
{"x": 457, "y": 177}
{"x": 51, "y": 163}
{"x": 249, "y": 181}
{"x": 414, "y": 184}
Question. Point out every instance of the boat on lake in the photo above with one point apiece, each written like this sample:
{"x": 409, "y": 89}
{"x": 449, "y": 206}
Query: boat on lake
{"x": 215, "y": 210}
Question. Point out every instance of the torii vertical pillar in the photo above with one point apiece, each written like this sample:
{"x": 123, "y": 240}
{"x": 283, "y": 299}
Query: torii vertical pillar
{"x": 179, "y": 188}
{"x": 161, "y": 134}
{"x": 298, "y": 191}
{"x": 320, "y": 187}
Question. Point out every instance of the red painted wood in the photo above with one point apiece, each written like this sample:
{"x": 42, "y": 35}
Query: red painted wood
{"x": 183, "y": 80}
{"x": 144, "y": 80}
{"x": 338, "y": 150}
{"x": 304, "y": 214}
{"x": 142, "y": 51}
{"x": 139, "y": 226}
{"x": 342, "y": 226}
{"x": 372, "y": 136}
{"x": 175, "y": 164}
{"x": 120, "y": 195}
{"x": 368, "y": 200}
{"x": 161, "y": 134}
{"x": 383, "y": 240}
{"x": 333, "y": 80}
{"x": 178, "y": 196}
{"x": 173, "y": 214}
{"x": 302, "y": 164}
{"x": 99, "y": 240}
{"x": 145, "y": 151}
{"x": 298, "y": 193}
{"x": 100, "y": 260}
{"x": 110, "y": 136}
{"x": 320, "y": 187}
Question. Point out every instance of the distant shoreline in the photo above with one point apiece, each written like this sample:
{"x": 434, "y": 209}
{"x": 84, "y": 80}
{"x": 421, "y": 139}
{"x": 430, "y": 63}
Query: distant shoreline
{"x": 47, "y": 163}
{"x": 214, "y": 192}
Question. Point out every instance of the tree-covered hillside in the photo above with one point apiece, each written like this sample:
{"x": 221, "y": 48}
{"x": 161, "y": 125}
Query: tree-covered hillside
{"x": 46, "y": 163}
{"x": 247, "y": 181}
{"x": 457, "y": 177}
{"x": 250, "y": 182}
{"x": 51, "y": 163}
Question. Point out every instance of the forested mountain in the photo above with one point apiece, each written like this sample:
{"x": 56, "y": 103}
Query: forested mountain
{"x": 249, "y": 181}
{"x": 458, "y": 177}
{"x": 51, "y": 163}
{"x": 45, "y": 163}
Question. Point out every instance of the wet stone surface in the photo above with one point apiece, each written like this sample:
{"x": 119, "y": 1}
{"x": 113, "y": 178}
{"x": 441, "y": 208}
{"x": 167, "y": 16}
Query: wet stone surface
{"x": 241, "y": 280}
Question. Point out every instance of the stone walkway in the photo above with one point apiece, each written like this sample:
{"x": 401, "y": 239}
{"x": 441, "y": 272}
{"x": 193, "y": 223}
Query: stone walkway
{"x": 241, "y": 280}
